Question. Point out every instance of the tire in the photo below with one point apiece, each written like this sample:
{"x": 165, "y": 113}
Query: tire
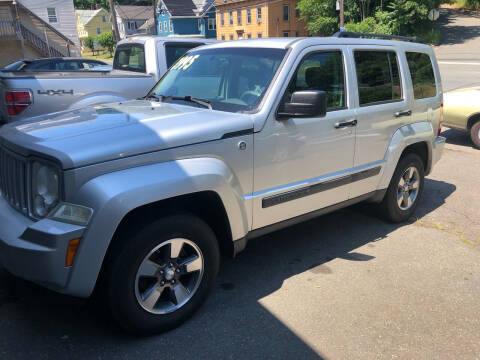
{"x": 131, "y": 296}
{"x": 475, "y": 134}
{"x": 396, "y": 209}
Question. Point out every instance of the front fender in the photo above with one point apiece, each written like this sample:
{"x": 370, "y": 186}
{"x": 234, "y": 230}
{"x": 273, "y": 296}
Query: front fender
{"x": 405, "y": 136}
{"x": 114, "y": 195}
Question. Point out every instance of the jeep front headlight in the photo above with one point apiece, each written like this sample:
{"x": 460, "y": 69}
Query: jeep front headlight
{"x": 45, "y": 188}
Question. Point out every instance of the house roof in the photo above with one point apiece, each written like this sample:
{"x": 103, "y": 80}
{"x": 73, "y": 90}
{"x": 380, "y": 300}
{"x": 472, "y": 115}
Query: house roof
{"x": 188, "y": 8}
{"x": 132, "y": 12}
{"x": 85, "y": 16}
{"x": 148, "y": 24}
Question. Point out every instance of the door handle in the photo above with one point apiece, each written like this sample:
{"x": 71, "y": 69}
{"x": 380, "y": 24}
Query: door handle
{"x": 403, "y": 113}
{"x": 345, "y": 124}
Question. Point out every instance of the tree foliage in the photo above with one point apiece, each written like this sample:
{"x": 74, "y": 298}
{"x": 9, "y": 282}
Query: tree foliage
{"x": 106, "y": 41}
{"x": 89, "y": 42}
{"x": 400, "y": 17}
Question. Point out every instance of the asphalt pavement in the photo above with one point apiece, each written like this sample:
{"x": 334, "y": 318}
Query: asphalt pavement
{"x": 344, "y": 286}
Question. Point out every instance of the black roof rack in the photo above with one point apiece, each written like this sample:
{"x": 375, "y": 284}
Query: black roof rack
{"x": 356, "y": 35}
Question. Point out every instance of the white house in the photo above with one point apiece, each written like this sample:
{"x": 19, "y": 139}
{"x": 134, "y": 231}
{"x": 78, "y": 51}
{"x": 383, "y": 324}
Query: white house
{"x": 130, "y": 19}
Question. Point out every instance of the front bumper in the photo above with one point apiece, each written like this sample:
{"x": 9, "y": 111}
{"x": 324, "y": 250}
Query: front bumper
{"x": 437, "y": 150}
{"x": 35, "y": 251}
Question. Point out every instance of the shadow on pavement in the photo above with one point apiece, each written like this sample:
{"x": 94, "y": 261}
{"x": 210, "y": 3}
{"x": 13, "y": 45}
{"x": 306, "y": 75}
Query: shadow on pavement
{"x": 457, "y": 137}
{"x": 457, "y": 34}
{"x": 232, "y": 324}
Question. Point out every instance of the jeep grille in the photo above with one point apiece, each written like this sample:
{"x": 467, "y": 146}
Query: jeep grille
{"x": 13, "y": 175}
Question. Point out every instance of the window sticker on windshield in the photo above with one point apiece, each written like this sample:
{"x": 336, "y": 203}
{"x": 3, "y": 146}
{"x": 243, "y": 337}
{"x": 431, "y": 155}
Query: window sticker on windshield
{"x": 185, "y": 62}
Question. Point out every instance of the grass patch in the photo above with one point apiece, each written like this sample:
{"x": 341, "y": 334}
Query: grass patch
{"x": 465, "y": 4}
{"x": 99, "y": 55}
{"x": 432, "y": 37}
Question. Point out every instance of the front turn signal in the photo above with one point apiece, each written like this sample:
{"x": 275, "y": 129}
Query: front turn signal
{"x": 71, "y": 251}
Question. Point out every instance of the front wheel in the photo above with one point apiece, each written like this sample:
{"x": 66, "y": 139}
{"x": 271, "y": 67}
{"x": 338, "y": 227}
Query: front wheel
{"x": 160, "y": 276}
{"x": 475, "y": 134}
{"x": 405, "y": 189}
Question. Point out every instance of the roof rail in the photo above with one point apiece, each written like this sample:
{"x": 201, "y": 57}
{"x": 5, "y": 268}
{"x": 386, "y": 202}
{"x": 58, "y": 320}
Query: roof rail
{"x": 356, "y": 35}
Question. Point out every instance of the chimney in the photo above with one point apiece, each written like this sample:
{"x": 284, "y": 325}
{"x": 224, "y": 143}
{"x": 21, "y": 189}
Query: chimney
{"x": 97, "y": 6}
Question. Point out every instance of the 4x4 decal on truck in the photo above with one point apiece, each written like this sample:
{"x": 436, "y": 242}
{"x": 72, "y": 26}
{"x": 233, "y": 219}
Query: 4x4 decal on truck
{"x": 55, "y": 92}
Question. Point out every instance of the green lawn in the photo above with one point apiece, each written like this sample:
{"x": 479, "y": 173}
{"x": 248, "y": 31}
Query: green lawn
{"x": 99, "y": 55}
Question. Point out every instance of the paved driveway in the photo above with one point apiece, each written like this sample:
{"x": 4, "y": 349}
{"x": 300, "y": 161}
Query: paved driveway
{"x": 345, "y": 285}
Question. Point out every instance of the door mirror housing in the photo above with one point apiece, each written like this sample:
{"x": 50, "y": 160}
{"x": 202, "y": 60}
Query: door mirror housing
{"x": 305, "y": 103}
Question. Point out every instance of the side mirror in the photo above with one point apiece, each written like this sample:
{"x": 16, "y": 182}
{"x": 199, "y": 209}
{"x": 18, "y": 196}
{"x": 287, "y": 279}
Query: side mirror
{"x": 305, "y": 103}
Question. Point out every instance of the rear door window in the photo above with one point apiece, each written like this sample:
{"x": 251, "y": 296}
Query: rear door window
{"x": 378, "y": 77}
{"x": 423, "y": 77}
{"x": 174, "y": 52}
{"x": 130, "y": 57}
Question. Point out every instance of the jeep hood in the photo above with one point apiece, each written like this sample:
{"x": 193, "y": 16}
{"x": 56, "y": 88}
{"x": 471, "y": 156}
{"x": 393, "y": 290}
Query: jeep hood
{"x": 112, "y": 131}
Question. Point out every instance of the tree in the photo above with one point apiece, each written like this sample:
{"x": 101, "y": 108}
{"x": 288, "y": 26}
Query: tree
{"x": 89, "y": 43}
{"x": 106, "y": 41}
{"x": 402, "y": 17}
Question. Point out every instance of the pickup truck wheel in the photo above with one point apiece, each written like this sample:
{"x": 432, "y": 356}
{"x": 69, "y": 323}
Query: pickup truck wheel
{"x": 405, "y": 189}
{"x": 475, "y": 134}
{"x": 162, "y": 275}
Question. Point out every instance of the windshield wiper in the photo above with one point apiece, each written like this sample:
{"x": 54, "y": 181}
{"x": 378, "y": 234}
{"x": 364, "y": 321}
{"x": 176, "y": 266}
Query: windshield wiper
{"x": 153, "y": 96}
{"x": 188, "y": 98}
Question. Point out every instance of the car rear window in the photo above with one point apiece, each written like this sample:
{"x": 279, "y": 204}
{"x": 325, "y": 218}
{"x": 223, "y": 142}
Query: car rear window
{"x": 378, "y": 77}
{"x": 423, "y": 77}
{"x": 130, "y": 57}
{"x": 176, "y": 51}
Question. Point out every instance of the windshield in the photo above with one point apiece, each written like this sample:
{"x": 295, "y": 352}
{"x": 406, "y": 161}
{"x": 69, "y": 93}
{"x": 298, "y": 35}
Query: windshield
{"x": 230, "y": 79}
{"x": 15, "y": 66}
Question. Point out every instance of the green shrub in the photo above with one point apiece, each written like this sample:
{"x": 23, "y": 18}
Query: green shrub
{"x": 106, "y": 41}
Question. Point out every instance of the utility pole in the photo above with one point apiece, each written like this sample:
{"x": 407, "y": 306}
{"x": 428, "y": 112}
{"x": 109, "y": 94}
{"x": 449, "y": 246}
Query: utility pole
{"x": 155, "y": 20}
{"x": 116, "y": 35}
{"x": 342, "y": 20}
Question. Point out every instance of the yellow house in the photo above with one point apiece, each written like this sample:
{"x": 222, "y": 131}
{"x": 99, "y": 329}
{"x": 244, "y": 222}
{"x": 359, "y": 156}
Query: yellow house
{"x": 251, "y": 19}
{"x": 92, "y": 23}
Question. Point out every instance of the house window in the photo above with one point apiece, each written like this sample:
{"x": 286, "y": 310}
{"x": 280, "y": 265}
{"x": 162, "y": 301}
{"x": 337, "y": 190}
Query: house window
{"x": 297, "y": 13}
{"x": 104, "y": 19}
{"x": 165, "y": 27}
{"x": 52, "y": 15}
{"x": 259, "y": 35}
{"x": 249, "y": 36}
{"x": 128, "y": 25}
{"x": 249, "y": 16}
{"x": 239, "y": 17}
{"x": 199, "y": 24}
{"x": 159, "y": 27}
{"x": 223, "y": 37}
{"x": 286, "y": 12}
{"x": 98, "y": 31}
{"x": 259, "y": 14}
{"x": 222, "y": 19}
{"x": 171, "y": 26}
{"x": 286, "y": 33}
{"x": 230, "y": 16}
{"x": 231, "y": 37}
{"x": 212, "y": 24}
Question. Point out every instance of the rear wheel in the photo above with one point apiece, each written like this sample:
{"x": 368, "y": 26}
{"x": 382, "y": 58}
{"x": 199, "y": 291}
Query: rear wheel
{"x": 475, "y": 134}
{"x": 405, "y": 189}
{"x": 160, "y": 276}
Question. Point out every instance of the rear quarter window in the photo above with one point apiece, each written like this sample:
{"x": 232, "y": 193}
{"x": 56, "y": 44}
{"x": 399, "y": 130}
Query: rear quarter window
{"x": 130, "y": 57}
{"x": 423, "y": 76}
